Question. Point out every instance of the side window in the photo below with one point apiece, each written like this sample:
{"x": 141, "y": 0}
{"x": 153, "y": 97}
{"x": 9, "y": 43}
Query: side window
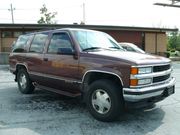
{"x": 131, "y": 49}
{"x": 20, "y": 44}
{"x": 38, "y": 42}
{"x": 60, "y": 44}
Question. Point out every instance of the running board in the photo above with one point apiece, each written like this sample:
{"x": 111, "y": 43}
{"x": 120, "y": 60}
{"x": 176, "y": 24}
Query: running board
{"x": 56, "y": 90}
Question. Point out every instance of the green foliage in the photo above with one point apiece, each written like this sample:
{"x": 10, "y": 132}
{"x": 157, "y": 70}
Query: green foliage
{"x": 173, "y": 50}
{"x": 46, "y": 17}
{"x": 178, "y": 48}
{"x": 174, "y": 41}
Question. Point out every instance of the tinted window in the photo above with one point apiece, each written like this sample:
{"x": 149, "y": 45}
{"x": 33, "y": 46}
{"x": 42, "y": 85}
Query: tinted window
{"x": 38, "y": 42}
{"x": 19, "y": 46}
{"x": 60, "y": 43}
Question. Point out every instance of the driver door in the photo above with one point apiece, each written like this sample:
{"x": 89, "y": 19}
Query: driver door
{"x": 60, "y": 65}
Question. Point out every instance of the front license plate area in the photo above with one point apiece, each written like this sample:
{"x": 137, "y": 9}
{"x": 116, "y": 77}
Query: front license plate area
{"x": 168, "y": 91}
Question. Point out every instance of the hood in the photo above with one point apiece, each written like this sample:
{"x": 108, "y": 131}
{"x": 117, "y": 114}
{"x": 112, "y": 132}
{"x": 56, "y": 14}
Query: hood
{"x": 137, "y": 58}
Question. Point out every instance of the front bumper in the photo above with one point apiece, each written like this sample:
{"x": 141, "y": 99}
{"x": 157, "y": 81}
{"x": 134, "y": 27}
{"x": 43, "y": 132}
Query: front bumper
{"x": 138, "y": 94}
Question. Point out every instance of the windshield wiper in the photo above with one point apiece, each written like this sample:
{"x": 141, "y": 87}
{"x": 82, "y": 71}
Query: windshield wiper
{"x": 92, "y": 48}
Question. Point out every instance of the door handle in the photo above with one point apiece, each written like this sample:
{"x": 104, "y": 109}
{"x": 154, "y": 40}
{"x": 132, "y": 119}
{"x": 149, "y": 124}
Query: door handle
{"x": 45, "y": 59}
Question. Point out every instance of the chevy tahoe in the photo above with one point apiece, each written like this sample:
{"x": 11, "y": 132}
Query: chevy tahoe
{"x": 90, "y": 64}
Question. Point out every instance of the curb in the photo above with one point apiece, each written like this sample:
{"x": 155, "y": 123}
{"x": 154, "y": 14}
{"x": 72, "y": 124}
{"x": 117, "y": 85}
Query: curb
{"x": 175, "y": 58}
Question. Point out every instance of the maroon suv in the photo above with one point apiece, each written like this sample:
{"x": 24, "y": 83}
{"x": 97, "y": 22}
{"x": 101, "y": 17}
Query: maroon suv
{"x": 91, "y": 64}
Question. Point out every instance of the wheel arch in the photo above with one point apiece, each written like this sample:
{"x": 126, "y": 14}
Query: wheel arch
{"x": 19, "y": 66}
{"x": 93, "y": 75}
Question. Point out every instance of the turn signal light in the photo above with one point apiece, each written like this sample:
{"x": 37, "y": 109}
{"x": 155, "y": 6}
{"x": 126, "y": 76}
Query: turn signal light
{"x": 134, "y": 70}
{"x": 133, "y": 82}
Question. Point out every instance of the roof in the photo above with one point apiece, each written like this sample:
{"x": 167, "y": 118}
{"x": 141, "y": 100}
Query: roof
{"x": 96, "y": 27}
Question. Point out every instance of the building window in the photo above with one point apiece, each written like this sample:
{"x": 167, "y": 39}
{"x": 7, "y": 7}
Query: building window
{"x": 16, "y": 34}
{"x": 6, "y": 34}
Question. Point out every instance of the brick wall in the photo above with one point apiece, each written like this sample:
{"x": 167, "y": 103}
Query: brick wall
{"x": 127, "y": 36}
{"x": 155, "y": 42}
{"x": 6, "y": 44}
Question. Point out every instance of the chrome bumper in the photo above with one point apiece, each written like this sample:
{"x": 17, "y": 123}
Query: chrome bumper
{"x": 137, "y": 94}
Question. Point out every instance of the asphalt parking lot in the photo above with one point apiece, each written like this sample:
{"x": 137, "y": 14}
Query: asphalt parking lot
{"x": 45, "y": 113}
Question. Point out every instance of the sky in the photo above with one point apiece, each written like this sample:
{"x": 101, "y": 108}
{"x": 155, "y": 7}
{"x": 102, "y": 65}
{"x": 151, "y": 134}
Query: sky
{"x": 140, "y": 13}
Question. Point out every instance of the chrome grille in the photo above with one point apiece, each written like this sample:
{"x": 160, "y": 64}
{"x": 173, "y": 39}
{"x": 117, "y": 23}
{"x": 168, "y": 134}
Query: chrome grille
{"x": 160, "y": 74}
{"x": 160, "y": 78}
{"x": 161, "y": 68}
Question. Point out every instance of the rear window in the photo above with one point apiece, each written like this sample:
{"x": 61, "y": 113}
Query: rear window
{"x": 20, "y": 44}
{"x": 38, "y": 42}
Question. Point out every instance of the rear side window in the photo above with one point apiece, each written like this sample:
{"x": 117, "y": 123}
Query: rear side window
{"x": 20, "y": 44}
{"x": 38, "y": 42}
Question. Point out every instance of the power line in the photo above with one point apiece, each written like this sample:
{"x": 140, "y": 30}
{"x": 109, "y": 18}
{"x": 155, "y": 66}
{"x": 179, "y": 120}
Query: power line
{"x": 14, "y": 19}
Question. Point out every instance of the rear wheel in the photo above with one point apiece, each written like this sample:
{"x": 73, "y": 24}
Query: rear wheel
{"x": 104, "y": 100}
{"x": 24, "y": 83}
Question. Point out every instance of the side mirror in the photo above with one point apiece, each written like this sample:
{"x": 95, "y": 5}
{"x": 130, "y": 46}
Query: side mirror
{"x": 65, "y": 51}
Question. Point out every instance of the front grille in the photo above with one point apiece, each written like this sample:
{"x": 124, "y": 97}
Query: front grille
{"x": 161, "y": 68}
{"x": 160, "y": 78}
{"x": 160, "y": 74}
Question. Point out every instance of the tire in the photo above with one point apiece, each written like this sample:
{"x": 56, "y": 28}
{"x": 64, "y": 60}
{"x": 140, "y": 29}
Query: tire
{"x": 105, "y": 100}
{"x": 24, "y": 83}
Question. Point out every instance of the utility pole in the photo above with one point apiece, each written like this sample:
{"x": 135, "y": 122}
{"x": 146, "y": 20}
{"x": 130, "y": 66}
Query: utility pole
{"x": 12, "y": 13}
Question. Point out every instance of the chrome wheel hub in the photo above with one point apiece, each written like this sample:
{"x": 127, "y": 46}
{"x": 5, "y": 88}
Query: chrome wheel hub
{"x": 23, "y": 81}
{"x": 101, "y": 101}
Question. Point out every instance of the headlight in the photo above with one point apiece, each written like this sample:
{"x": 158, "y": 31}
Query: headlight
{"x": 138, "y": 82}
{"x": 145, "y": 70}
{"x": 141, "y": 70}
{"x": 144, "y": 81}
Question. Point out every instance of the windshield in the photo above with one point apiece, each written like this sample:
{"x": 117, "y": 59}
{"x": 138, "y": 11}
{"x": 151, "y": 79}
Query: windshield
{"x": 131, "y": 47}
{"x": 90, "y": 40}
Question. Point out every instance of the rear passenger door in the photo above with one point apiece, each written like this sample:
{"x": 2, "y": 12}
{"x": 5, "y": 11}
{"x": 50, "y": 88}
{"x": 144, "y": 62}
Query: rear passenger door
{"x": 34, "y": 57}
{"x": 60, "y": 65}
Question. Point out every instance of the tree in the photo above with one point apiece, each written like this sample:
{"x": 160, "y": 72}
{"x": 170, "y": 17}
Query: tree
{"x": 46, "y": 17}
{"x": 174, "y": 41}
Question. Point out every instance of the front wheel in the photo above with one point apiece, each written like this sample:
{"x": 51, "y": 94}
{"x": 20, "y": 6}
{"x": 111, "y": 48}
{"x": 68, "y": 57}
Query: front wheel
{"x": 104, "y": 100}
{"x": 24, "y": 83}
